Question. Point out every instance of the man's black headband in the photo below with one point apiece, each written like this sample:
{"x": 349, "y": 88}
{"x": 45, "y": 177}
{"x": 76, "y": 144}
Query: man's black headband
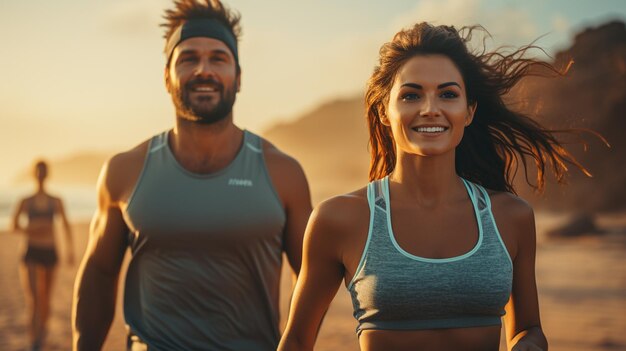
{"x": 209, "y": 28}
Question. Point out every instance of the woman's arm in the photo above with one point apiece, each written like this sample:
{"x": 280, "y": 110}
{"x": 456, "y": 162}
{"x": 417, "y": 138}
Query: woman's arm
{"x": 523, "y": 325}
{"x": 15, "y": 223}
{"x": 320, "y": 276}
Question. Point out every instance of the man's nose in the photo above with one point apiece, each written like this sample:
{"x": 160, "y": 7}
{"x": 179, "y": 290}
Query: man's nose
{"x": 204, "y": 69}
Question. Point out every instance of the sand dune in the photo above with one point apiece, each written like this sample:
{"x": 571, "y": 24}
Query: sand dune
{"x": 582, "y": 288}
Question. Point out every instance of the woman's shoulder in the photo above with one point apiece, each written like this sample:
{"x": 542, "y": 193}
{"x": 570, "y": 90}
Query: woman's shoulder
{"x": 342, "y": 213}
{"x": 25, "y": 202}
{"x": 515, "y": 220}
{"x": 345, "y": 207}
{"x": 338, "y": 224}
{"x": 510, "y": 206}
{"x": 28, "y": 199}
{"x": 56, "y": 200}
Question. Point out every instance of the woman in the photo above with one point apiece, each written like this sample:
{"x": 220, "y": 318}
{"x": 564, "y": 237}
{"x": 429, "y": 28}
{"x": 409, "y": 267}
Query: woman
{"x": 40, "y": 259}
{"x": 436, "y": 248}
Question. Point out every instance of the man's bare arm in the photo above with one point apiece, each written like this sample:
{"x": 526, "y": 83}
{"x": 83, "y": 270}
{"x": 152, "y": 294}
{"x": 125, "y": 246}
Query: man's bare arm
{"x": 291, "y": 184}
{"x": 95, "y": 289}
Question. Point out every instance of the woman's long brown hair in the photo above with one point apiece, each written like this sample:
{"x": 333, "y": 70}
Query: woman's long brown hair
{"x": 498, "y": 139}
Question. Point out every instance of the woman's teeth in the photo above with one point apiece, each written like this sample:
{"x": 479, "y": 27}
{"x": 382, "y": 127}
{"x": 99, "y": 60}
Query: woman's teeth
{"x": 430, "y": 129}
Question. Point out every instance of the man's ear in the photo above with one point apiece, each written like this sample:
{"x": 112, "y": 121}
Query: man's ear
{"x": 238, "y": 81}
{"x": 168, "y": 84}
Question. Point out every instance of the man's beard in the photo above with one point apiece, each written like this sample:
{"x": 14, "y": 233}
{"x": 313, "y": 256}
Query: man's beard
{"x": 198, "y": 112}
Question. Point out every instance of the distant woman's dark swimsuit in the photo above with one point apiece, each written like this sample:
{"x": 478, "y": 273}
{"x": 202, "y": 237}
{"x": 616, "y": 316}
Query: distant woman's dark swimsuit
{"x": 45, "y": 256}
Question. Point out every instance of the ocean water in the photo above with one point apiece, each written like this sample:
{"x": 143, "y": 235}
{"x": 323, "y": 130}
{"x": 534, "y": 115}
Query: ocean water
{"x": 79, "y": 201}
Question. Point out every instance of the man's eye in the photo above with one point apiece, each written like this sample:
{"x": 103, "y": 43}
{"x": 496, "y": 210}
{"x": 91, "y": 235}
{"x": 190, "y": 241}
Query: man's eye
{"x": 186, "y": 59}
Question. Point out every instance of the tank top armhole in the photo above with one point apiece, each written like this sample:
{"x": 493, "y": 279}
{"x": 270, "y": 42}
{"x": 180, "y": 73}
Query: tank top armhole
{"x": 143, "y": 169}
{"x": 371, "y": 203}
{"x": 471, "y": 191}
{"x": 493, "y": 221}
{"x": 255, "y": 143}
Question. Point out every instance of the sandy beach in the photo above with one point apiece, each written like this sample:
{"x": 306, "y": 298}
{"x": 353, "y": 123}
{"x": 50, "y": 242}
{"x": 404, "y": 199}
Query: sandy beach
{"x": 582, "y": 291}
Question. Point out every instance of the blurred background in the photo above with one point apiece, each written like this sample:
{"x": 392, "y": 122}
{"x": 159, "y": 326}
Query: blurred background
{"x": 83, "y": 80}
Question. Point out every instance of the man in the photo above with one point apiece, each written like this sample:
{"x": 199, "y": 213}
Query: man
{"x": 206, "y": 208}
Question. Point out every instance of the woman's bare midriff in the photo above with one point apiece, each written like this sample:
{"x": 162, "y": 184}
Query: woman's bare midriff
{"x": 40, "y": 233}
{"x": 466, "y": 339}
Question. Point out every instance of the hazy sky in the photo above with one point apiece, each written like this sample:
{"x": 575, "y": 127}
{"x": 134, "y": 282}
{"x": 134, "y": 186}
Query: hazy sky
{"x": 88, "y": 75}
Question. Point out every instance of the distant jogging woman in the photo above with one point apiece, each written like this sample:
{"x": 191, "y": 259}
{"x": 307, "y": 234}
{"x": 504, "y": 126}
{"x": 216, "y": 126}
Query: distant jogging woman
{"x": 40, "y": 258}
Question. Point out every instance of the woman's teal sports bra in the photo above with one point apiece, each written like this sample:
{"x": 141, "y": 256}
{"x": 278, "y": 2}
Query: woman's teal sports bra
{"x": 393, "y": 289}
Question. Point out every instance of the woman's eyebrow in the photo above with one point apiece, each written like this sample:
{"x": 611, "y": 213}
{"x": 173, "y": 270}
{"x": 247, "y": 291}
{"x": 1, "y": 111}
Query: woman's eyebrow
{"x": 440, "y": 86}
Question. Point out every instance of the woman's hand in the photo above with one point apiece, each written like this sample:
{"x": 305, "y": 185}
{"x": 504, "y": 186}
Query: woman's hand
{"x": 524, "y": 345}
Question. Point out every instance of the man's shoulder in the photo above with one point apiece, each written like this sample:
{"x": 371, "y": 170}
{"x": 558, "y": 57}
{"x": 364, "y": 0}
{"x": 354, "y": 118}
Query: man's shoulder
{"x": 271, "y": 150}
{"x": 276, "y": 158}
{"x": 287, "y": 176}
{"x": 120, "y": 162}
{"x": 120, "y": 172}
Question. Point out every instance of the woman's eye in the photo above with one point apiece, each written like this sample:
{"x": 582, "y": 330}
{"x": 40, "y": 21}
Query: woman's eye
{"x": 449, "y": 95}
{"x": 410, "y": 97}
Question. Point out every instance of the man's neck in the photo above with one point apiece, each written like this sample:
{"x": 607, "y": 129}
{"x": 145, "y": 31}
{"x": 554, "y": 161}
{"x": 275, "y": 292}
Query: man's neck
{"x": 205, "y": 148}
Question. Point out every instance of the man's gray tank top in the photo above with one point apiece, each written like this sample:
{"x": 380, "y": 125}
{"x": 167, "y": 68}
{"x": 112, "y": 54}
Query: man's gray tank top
{"x": 393, "y": 289}
{"x": 206, "y": 253}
